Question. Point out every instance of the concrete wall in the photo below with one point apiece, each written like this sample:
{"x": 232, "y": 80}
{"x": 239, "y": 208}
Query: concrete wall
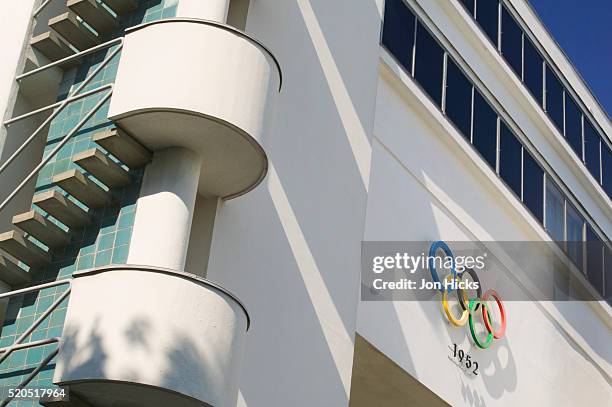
{"x": 426, "y": 185}
{"x": 290, "y": 249}
{"x": 201, "y": 235}
{"x": 106, "y": 355}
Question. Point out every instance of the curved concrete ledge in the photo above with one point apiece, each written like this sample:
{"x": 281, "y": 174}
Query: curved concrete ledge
{"x": 204, "y": 86}
{"x": 162, "y": 270}
{"x": 217, "y": 24}
{"x": 146, "y": 336}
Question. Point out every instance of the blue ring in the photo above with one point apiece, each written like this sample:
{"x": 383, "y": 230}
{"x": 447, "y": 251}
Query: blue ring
{"x": 432, "y": 266}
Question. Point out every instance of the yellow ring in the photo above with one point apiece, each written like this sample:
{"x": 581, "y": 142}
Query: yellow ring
{"x": 464, "y": 315}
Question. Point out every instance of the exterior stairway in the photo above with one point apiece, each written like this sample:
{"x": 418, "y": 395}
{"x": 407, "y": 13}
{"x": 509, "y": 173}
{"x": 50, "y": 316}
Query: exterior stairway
{"x": 82, "y": 26}
{"x": 210, "y": 145}
{"x": 35, "y": 236}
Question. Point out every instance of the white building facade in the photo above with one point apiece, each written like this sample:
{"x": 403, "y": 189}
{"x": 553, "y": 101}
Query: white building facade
{"x": 186, "y": 186}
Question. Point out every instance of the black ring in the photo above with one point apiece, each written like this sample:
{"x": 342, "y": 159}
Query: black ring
{"x": 472, "y": 273}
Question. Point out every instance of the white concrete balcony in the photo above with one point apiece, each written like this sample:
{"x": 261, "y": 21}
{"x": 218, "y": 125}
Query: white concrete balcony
{"x": 204, "y": 86}
{"x": 145, "y": 336}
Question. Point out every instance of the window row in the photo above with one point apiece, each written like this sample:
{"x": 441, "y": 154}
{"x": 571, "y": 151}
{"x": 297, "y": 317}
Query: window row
{"x": 538, "y": 76}
{"x": 409, "y": 41}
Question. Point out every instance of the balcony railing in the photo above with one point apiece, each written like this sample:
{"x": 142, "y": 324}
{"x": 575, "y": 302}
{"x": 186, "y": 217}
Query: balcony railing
{"x": 19, "y": 342}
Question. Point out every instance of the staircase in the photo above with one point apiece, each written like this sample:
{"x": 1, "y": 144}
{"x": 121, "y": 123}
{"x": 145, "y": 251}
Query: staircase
{"x": 83, "y": 25}
{"x": 66, "y": 208}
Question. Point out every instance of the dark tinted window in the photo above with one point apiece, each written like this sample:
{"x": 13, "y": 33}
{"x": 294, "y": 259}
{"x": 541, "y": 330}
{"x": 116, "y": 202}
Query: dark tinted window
{"x": 533, "y": 70}
{"x": 398, "y": 32}
{"x": 554, "y": 99}
{"x": 533, "y": 186}
{"x": 573, "y": 125}
{"x": 555, "y": 213}
{"x": 606, "y": 168}
{"x": 428, "y": 64}
{"x": 458, "y": 98}
{"x": 591, "y": 150}
{"x": 485, "y": 129}
{"x": 469, "y": 5}
{"x": 594, "y": 259}
{"x": 511, "y": 41}
{"x": 510, "y": 159}
{"x": 486, "y": 15}
{"x": 575, "y": 225}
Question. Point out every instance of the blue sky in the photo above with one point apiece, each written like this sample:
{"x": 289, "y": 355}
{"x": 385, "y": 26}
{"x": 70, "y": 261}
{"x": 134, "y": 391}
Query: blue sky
{"x": 583, "y": 28}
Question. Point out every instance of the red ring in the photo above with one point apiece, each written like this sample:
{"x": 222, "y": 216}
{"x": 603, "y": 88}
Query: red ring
{"x": 499, "y": 334}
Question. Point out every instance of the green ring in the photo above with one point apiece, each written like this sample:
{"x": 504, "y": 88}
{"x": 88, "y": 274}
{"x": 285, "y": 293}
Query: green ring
{"x": 489, "y": 339}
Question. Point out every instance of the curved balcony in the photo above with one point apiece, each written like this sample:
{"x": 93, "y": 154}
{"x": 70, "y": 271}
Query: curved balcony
{"x": 144, "y": 336}
{"x": 204, "y": 86}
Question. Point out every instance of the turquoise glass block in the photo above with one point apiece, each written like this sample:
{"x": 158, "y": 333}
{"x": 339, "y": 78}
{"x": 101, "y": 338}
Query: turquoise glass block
{"x": 120, "y": 254}
{"x": 126, "y": 220}
{"x": 123, "y": 237}
{"x": 24, "y": 323}
{"x": 18, "y": 358}
{"x": 106, "y": 242}
{"x": 44, "y": 303}
{"x": 57, "y": 317}
{"x": 35, "y": 355}
{"x": 86, "y": 262}
{"x": 103, "y": 258}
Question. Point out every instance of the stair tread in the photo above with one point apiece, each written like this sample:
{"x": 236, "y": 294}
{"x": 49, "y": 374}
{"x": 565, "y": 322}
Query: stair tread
{"x": 122, "y": 6}
{"x": 82, "y": 188}
{"x": 102, "y": 167}
{"x": 18, "y": 246}
{"x": 42, "y": 229}
{"x": 94, "y": 14}
{"x": 62, "y": 209}
{"x": 51, "y": 46}
{"x": 11, "y": 273}
{"x": 74, "y": 31}
{"x": 123, "y": 146}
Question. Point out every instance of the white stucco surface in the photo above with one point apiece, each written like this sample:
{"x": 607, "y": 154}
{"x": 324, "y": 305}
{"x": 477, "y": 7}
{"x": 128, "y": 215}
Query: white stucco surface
{"x": 140, "y": 327}
{"x": 425, "y": 187}
{"x": 215, "y": 10}
{"x": 351, "y": 149}
{"x": 290, "y": 248}
{"x": 216, "y": 101}
{"x": 164, "y": 210}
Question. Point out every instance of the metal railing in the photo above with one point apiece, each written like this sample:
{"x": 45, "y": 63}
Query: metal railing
{"x": 19, "y": 345}
{"x": 59, "y": 107}
{"x": 40, "y": 8}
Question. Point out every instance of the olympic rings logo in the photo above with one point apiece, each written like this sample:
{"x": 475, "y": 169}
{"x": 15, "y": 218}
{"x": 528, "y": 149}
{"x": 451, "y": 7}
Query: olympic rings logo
{"x": 469, "y": 306}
